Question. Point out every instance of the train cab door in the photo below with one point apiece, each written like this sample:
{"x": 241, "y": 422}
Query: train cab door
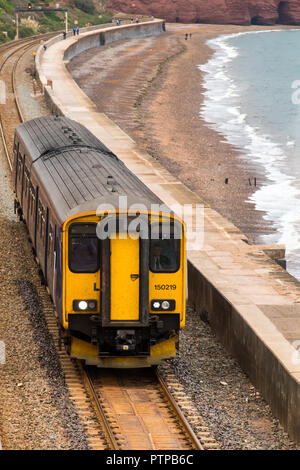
{"x": 125, "y": 278}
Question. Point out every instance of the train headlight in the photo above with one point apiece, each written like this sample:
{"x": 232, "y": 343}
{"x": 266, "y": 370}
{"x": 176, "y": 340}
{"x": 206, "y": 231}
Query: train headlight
{"x": 85, "y": 305}
{"x": 160, "y": 305}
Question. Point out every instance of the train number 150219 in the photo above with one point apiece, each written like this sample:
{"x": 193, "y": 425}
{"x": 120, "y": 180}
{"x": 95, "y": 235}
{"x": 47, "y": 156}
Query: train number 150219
{"x": 165, "y": 286}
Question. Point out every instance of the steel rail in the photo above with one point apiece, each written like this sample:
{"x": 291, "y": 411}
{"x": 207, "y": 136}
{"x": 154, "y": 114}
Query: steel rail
{"x": 88, "y": 382}
{"x": 21, "y": 43}
{"x": 15, "y": 99}
{"x": 5, "y": 146}
{"x": 14, "y": 87}
{"x": 112, "y": 442}
{"x": 192, "y": 436}
{"x": 14, "y": 51}
{"x": 25, "y": 45}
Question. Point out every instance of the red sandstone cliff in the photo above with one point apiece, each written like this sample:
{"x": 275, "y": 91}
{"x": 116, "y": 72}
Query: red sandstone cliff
{"x": 243, "y": 12}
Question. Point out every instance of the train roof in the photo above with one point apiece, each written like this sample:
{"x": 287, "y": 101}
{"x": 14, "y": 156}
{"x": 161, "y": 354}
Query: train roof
{"x": 50, "y": 133}
{"x": 75, "y": 170}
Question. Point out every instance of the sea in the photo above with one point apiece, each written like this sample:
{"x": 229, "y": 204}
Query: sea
{"x": 252, "y": 97}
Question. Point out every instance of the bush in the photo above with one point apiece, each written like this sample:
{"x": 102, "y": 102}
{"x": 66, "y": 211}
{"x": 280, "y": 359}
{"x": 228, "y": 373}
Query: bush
{"x": 52, "y": 16}
{"x": 26, "y": 31}
{"x": 3, "y": 38}
{"x": 5, "y": 5}
{"x": 10, "y": 29}
{"x": 85, "y": 5}
{"x": 105, "y": 18}
{"x": 50, "y": 22}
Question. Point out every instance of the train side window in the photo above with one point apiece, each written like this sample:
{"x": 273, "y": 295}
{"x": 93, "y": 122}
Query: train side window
{"x": 26, "y": 186}
{"x": 41, "y": 220}
{"x": 16, "y": 152}
{"x": 50, "y": 245}
{"x": 26, "y": 182}
{"x": 43, "y": 228}
{"x": 33, "y": 203}
{"x": 20, "y": 165}
{"x": 165, "y": 247}
{"x": 83, "y": 248}
{"x": 31, "y": 199}
{"x": 44, "y": 216}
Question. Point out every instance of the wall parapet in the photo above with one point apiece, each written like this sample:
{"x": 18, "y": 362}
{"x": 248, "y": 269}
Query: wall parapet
{"x": 98, "y": 36}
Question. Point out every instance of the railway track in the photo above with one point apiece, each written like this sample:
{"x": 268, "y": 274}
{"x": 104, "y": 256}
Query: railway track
{"x": 10, "y": 110}
{"x": 132, "y": 409}
{"x": 120, "y": 409}
{"x": 138, "y": 411}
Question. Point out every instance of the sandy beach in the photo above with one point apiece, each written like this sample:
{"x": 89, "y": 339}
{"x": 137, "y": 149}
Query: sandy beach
{"x": 153, "y": 90}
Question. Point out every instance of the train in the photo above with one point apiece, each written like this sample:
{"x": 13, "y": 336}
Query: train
{"x": 112, "y": 256}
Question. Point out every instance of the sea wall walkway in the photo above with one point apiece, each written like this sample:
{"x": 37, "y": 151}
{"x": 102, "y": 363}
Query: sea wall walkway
{"x": 251, "y": 302}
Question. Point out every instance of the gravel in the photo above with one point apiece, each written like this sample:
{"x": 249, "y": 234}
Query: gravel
{"x": 35, "y": 410}
{"x": 32, "y": 102}
{"x": 234, "y": 411}
{"x": 49, "y": 361}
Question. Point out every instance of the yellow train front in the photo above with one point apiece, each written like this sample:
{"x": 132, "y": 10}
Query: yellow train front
{"x": 124, "y": 295}
{"x": 112, "y": 255}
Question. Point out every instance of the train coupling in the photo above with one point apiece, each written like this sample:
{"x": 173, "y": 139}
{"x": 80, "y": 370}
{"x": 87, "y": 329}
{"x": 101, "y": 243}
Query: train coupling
{"x": 125, "y": 340}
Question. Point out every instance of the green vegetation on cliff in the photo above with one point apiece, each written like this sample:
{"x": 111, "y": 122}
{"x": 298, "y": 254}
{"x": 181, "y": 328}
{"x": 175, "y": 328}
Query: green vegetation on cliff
{"x": 80, "y": 12}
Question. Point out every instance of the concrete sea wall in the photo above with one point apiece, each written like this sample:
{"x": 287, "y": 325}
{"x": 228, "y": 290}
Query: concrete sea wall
{"x": 114, "y": 34}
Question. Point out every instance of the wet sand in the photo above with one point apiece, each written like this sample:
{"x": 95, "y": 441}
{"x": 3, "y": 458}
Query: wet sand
{"x": 153, "y": 90}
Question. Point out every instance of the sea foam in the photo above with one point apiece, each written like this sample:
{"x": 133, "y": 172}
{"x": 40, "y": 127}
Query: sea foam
{"x": 279, "y": 198}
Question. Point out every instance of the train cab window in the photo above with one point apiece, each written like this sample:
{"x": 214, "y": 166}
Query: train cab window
{"x": 83, "y": 248}
{"x": 165, "y": 248}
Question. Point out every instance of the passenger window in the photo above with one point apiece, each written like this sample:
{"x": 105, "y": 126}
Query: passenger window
{"x": 43, "y": 227}
{"x": 26, "y": 182}
{"x": 50, "y": 239}
{"x": 83, "y": 248}
{"x": 20, "y": 167}
{"x": 41, "y": 220}
{"x": 31, "y": 199}
{"x": 165, "y": 248}
{"x": 50, "y": 245}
